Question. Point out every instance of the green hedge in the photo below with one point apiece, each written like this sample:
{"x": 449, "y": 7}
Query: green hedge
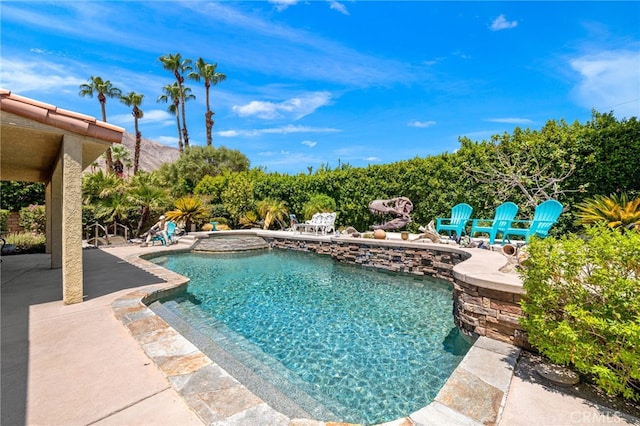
{"x": 33, "y": 218}
{"x": 583, "y": 305}
{"x": 4, "y": 216}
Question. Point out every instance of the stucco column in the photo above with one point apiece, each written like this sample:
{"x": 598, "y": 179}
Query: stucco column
{"x": 53, "y": 200}
{"x": 71, "y": 158}
{"x": 48, "y": 217}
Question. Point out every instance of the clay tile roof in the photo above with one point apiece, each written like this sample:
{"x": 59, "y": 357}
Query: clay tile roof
{"x": 60, "y": 118}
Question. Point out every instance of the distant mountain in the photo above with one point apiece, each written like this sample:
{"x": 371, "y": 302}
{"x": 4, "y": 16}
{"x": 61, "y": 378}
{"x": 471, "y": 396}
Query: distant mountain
{"x": 152, "y": 154}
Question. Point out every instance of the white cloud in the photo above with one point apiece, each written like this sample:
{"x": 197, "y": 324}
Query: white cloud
{"x": 310, "y": 144}
{"x": 152, "y": 116}
{"x": 421, "y": 123}
{"x": 121, "y": 119}
{"x": 294, "y": 108}
{"x": 158, "y": 115}
{"x": 228, "y": 133}
{"x": 356, "y": 153}
{"x": 283, "y": 4}
{"x": 510, "y": 120}
{"x": 289, "y": 129}
{"x": 609, "y": 80}
{"x": 501, "y": 23}
{"x": 24, "y": 77}
{"x": 288, "y": 160}
{"x": 334, "y": 5}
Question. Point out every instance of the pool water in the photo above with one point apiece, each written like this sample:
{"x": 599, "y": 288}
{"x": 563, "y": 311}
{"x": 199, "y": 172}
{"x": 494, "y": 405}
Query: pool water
{"x": 366, "y": 346}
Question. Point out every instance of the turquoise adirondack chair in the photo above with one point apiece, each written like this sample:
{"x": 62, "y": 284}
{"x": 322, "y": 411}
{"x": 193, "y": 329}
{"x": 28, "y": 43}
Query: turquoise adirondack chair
{"x": 171, "y": 229}
{"x": 460, "y": 214}
{"x": 544, "y": 217}
{"x": 505, "y": 214}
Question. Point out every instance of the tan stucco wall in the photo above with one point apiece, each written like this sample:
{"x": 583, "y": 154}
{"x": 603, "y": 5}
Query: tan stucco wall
{"x": 54, "y": 214}
{"x": 71, "y": 157}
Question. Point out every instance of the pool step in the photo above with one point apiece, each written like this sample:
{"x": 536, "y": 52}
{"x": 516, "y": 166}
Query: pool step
{"x": 230, "y": 244}
{"x": 259, "y": 372}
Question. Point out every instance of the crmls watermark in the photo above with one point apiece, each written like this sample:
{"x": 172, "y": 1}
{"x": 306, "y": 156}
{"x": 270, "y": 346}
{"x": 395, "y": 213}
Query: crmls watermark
{"x": 585, "y": 417}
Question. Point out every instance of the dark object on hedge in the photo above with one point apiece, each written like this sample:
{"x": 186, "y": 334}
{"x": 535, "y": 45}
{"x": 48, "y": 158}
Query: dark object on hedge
{"x": 399, "y": 207}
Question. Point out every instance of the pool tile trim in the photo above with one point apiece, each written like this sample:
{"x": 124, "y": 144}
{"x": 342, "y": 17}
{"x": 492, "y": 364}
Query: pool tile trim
{"x": 475, "y": 393}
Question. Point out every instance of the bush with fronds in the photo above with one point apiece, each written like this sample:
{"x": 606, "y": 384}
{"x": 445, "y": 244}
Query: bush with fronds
{"x": 617, "y": 211}
{"x": 582, "y": 305}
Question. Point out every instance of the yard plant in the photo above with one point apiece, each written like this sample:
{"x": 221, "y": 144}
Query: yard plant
{"x": 583, "y": 305}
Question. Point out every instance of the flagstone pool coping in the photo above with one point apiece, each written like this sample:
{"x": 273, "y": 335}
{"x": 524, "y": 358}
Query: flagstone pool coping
{"x": 474, "y": 394}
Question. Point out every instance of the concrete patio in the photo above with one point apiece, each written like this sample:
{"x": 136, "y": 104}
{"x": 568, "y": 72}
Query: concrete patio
{"x": 78, "y": 365}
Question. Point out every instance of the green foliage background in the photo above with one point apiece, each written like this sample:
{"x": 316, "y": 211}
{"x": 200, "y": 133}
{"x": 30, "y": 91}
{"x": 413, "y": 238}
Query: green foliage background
{"x": 598, "y": 157}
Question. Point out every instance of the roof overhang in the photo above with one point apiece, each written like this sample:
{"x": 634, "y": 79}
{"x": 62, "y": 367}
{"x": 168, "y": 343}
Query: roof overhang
{"x": 31, "y": 134}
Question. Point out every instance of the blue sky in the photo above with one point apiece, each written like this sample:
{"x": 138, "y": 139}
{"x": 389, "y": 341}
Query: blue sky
{"x": 323, "y": 82}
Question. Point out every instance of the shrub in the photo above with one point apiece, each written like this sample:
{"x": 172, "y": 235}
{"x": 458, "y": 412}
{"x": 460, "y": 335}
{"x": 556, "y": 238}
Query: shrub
{"x": 220, "y": 220}
{"x": 26, "y": 242}
{"x": 4, "y": 216}
{"x": 583, "y": 305}
{"x": 33, "y": 218}
{"x": 318, "y": 203}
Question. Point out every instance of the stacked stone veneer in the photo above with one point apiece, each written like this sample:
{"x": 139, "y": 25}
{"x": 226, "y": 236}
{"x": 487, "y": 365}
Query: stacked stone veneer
{"x": 488, "y": 312}
{"x": 478, "y": 310}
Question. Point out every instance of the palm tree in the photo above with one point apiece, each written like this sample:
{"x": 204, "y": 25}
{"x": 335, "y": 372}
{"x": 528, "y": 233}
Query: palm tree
{"x": 121, "y": 158}
{"x": 147, "y": 193}
{"x": 178, "y": 67}
{"x": 208, "y": 73}
{"x": 105, "y": 197}
{"x": 250, "y": 219}
{"x": 172, "y": 92}
{"x": 135, "y": 99}
{"x": 104, "y": 89}
{"x": 188, "y": 210}
{"x": 272, "y": 211}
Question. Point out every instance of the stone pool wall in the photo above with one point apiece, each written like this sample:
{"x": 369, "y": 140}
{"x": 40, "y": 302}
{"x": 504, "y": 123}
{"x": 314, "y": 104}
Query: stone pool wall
{"x": 407, "y": 259}
{"x": 488, "y": 312}
{"x": 480, "y": 307}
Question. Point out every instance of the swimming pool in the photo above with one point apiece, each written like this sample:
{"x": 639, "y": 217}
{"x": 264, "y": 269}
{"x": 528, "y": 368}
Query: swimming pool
{"x": 361, "y": 346}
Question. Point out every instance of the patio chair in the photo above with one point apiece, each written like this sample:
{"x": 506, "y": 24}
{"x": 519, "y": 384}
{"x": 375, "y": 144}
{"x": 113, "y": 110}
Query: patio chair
{"x": 544, "y": 217}
{"x": 171, "y": 229}
{"x": 311, "y": 224}
{"x": 505, "y": 214}
{"x": 327, "y": 222}
{"x": 460, "y": 214}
